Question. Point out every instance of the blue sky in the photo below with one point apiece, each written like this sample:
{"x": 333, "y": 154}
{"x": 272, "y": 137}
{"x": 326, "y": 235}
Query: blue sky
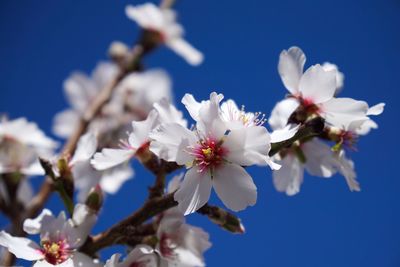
{"x": 42, "y": 42}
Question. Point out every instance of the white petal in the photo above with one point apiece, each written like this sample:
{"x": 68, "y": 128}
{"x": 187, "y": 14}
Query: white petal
{"x": 112, "y": 180}
{"x": 365, "y": 127}
{"x": 192, "y": 106}
{"x": 376, "y": 110}
{"x": 141, "y": 254}
{"x": 210, "y": 122}
{"x": 85, "y": 149}
{"x": 167, "y": 113}
{"x": 346, "y": 168}
{"x": 109, "y": 157}
{"x": 339, "y": 75}
{"x": 103, "y": 74}
{"x": 83, "y": 220}
{"x": 33, "y": 169}
{"x": 248, "y": 146}
{"x": 22, "y": 248}
{"x": 187, "y": 51}
{"x": 143, "y": 89}
{"x": 85, "y": 177}
{"x": 148, "y": 16}
{"x": 64, "y": 122}
{"x": 284, "y": 134}
{"x": 34, "y": 226}
{"x": 319, "y": 158}
{"x": 290, "y": 68}
{"x": 175, "y": 182}
{"x": 81, "y": 260}
{"x": 289, "y": 177}
{"x": 27, "y": 133}
{"x": 235, "y": 187}
{"x": 171, "y": 141}
{"x": 79, "y": 89}
{"x": 282, "y": 112}
{"x": 113, "y": 261}
{"x": 191, "y": 242}
{"x": 194, "y": 191}
{"x": 340, "y": 112}
{"x": 141, "y": 129}
{"x": 318, "y": 85}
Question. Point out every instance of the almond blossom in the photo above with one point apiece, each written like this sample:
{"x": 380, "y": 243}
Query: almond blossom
{"x": 59, "y": 239}
{"x": 132, "y": 100}
{"x": 21, "y": 144}
{"x": 140, "y": 256}
{"x": 180, "y": 244}
{"x": 86, "y": 177}
{"x": 138, "y": 141}
{"x": 80, "y": 90}
{"x": 162, "y": 22}
{"x": 315, "y": 90}
{"x": 214, "y": 155}
{"x": 313, "y": 155}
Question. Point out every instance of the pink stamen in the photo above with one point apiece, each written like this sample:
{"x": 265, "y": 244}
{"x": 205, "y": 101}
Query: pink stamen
{"x": 209, "y": 154}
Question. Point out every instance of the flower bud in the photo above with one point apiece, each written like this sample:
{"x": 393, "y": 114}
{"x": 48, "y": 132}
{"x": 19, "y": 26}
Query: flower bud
{"x": 118, "y": 50}
{"x": 66, "y": 179}
{"x": 94, "y": 199}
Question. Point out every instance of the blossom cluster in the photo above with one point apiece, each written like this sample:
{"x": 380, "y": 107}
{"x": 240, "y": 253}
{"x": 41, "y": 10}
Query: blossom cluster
{"x": 212, "y": 151}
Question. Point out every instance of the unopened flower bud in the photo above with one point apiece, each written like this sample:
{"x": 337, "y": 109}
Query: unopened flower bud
{"x": 118, "y": 50}
{"x": 94, "y": 199}
{"x": 65, "y": 179}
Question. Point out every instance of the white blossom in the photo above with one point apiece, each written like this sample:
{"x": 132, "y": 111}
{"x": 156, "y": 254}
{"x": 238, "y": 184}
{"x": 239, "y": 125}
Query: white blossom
{"x": 140, "y": 256}
{"x": 138, "y": 140}
{"x": 313, "y": 155}
{"x": 327, "y": 66}
{"x": 21, "y": 144}
{"x": 315, "y": 90}
{"x": 80, "y": 91}
{"x": 86, "y": 177}
{"x": 214, "y": 155}
{"x": 163, "y": 22}
{"x": 59, "y": 239}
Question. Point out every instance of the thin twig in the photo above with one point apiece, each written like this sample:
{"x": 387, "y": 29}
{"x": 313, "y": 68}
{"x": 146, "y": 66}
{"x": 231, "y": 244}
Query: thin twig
{"x": 113, "y": 235}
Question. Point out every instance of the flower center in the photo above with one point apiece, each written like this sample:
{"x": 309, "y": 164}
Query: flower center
{"x": 55, "y": 252}
{"x": 309, "y": 106}
{"x": 209, "y": 154}
{"x": 138, "y": 264}
{"x": 167, "y": 246}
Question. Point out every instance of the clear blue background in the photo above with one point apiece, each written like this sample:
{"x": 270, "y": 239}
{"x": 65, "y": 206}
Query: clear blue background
{"x": 42, "y": 42}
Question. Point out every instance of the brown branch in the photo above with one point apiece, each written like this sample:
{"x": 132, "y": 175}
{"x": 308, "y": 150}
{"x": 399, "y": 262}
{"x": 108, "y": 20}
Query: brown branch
{"x": 222, "y": 218}
{"x": 113, "y": 235}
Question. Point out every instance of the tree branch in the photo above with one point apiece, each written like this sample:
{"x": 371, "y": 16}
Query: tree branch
{"x": 113, "y": 235}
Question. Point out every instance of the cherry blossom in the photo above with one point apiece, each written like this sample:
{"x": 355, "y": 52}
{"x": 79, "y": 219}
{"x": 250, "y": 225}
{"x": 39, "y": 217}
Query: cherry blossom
{"x": 59, "y": 239}
{"x": 163, "y": 23}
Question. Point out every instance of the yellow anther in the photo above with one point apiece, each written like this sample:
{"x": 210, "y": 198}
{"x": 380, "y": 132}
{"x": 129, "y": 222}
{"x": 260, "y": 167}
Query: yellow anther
{"x": 54, "y": 248}
{"x": 207, "y": 151}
